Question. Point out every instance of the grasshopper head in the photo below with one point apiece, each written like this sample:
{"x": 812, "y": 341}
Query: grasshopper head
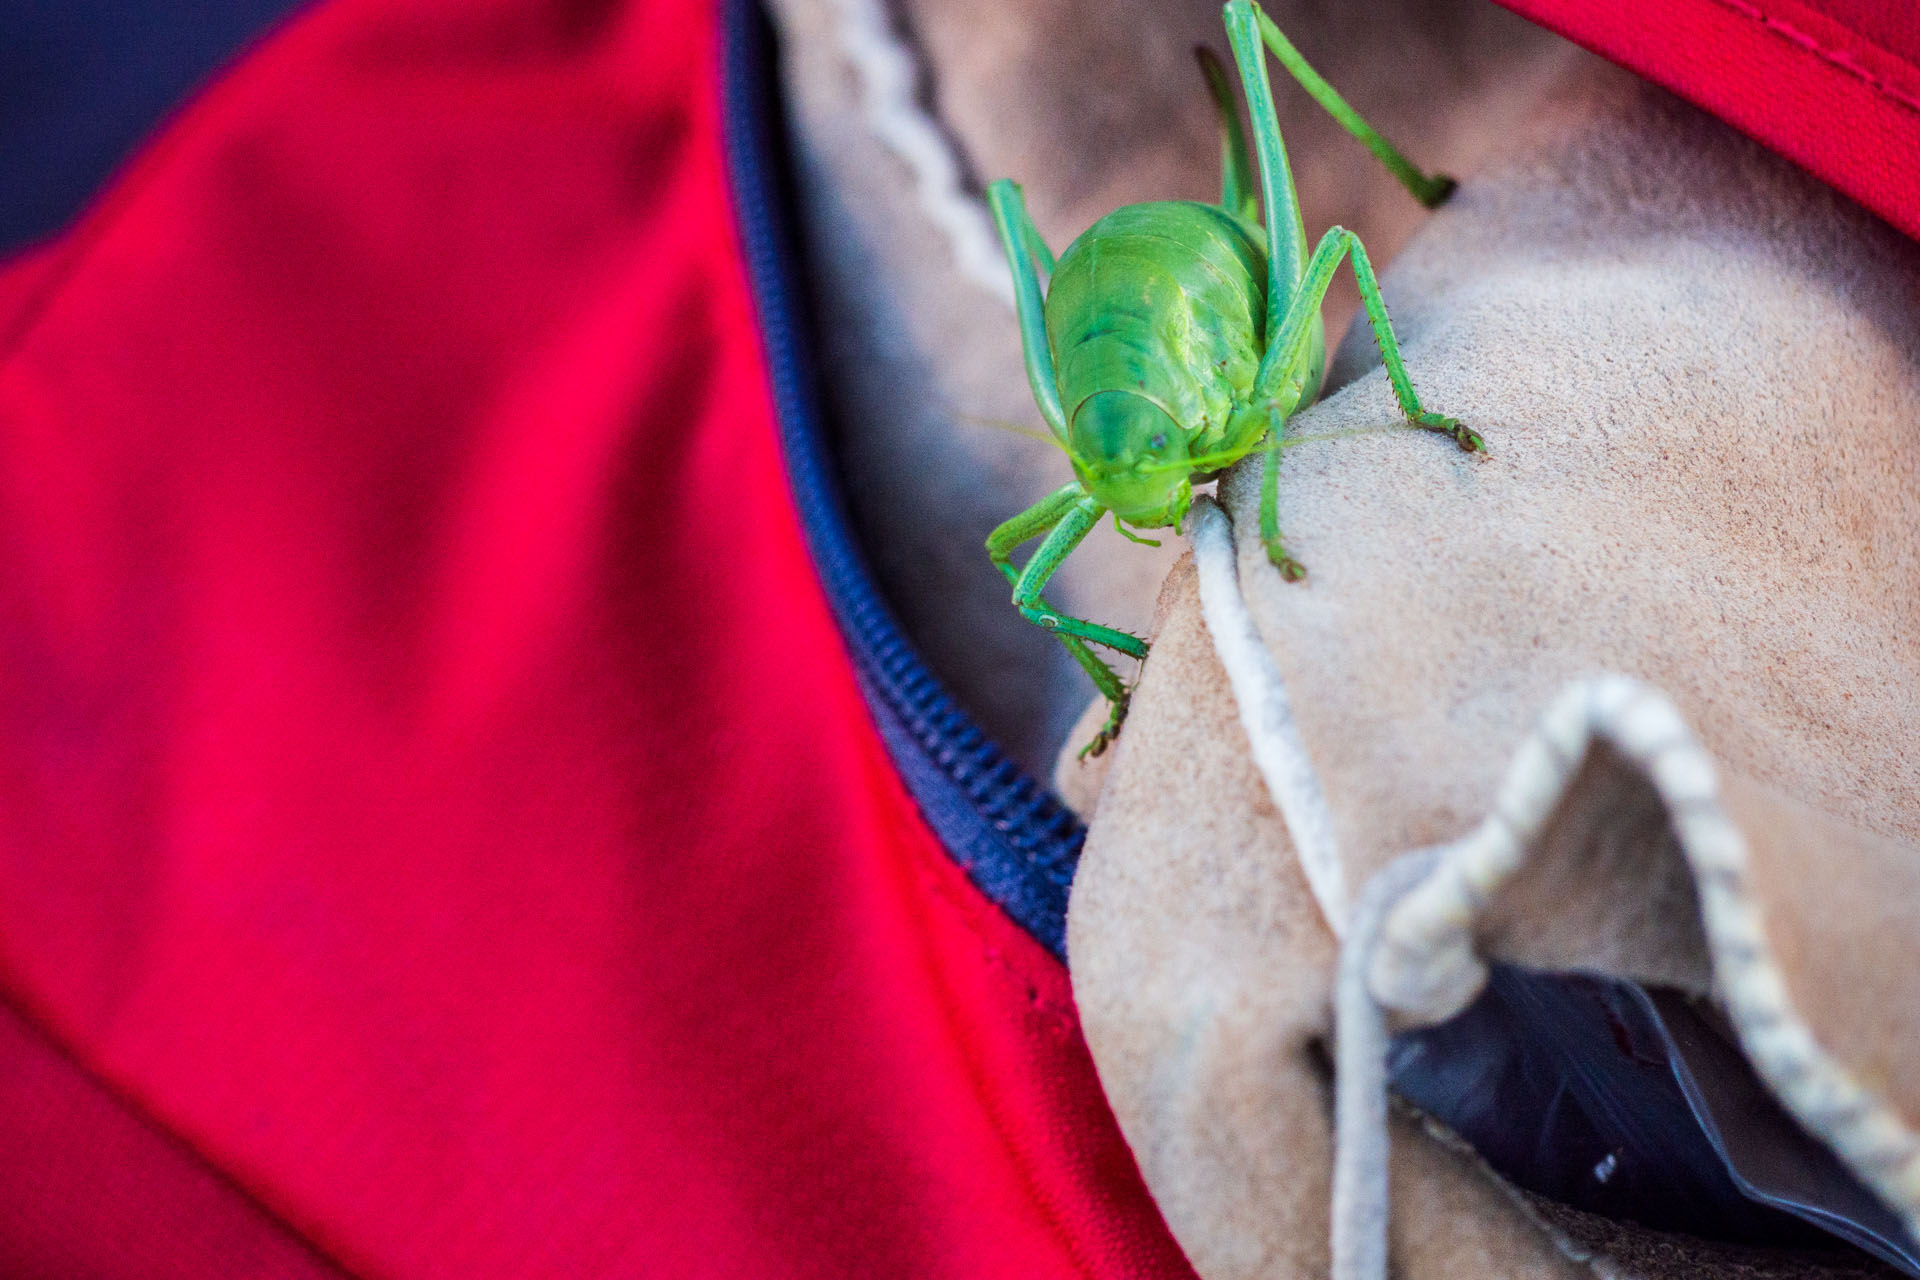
{"x": 1132, "y": 457}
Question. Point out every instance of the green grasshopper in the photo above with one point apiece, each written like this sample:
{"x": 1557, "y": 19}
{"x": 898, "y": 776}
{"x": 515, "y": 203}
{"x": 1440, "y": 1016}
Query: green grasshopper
{"x": 1176, "y": 338}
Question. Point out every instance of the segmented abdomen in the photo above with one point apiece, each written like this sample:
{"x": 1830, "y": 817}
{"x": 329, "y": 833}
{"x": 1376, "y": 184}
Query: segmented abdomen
{"x": 1166, "y": 299}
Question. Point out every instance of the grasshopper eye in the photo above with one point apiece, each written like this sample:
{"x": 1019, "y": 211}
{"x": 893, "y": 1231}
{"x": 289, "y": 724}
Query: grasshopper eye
{"x": 1158, "y": 443}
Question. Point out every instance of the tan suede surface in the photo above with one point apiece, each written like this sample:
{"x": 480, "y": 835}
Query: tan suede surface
{"x": 1698, "y": 374}
{"x": 1207, "y": 1013}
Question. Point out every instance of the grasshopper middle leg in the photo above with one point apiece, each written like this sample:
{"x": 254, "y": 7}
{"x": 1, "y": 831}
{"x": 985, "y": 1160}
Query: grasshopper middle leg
{"x": 1304, "y": 308}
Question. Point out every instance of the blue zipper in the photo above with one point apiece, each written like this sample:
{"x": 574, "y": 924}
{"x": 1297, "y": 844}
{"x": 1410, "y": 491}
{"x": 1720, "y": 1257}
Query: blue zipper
{"x": 1014, "y": 839}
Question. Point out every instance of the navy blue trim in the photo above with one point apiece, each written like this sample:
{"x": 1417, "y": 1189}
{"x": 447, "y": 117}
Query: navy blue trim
{"x": 1011, "y": 835}
{"x": 84, "y": 82}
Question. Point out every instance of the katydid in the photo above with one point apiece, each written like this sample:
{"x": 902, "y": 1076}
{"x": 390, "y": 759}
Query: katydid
{"x": 1176, "y": 338}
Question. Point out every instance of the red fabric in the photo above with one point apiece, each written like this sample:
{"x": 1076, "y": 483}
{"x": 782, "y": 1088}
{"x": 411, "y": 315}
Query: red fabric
{"x": 1833, "y": 85}
{"x": 92, "y": 1189}
{"x": 432, "y": 791}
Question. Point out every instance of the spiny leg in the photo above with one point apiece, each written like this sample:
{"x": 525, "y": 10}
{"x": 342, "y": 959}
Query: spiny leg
{"x": 1110, "y": 687}
{"x": 1024, "y": 245}
{"x": 1059, "y": 544}
{"x": 1021, "y": 239}
{"x": 1290, "y": 569}
{"x": 1304, "y": 308}
{"x": 1237, "y": 192}
{"x": 1429, "y": 189}
{"x": 1031, "y": 523}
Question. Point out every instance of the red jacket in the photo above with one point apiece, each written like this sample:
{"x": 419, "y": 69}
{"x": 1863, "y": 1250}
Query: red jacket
{"x": 463, "y": 810}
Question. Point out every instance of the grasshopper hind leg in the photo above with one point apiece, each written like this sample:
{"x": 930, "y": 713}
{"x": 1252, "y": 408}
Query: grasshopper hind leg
{"x": 1296, "y": 284}
{"x": 1256, "y": 28}
{"x": 1239, "y": 190}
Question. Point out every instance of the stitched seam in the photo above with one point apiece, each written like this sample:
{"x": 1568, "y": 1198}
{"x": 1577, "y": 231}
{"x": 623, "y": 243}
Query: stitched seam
{"x": 170, "y": 133}
{"x": 1832, "y": 57}
{"x": 137, "y": 1113}
{"x": 1057, "y": 1018}
{"x": 929, "y": 864}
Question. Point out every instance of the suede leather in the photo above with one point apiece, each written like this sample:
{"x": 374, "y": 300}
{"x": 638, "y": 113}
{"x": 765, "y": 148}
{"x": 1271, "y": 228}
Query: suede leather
{"x": 1698, "y": 374}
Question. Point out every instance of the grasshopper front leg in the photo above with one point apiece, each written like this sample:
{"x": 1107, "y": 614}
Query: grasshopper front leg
{"x": 1065, "y": 516}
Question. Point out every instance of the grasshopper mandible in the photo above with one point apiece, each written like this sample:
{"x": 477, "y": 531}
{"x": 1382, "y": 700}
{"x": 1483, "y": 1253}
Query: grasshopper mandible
{"x": 1176, "y": 338}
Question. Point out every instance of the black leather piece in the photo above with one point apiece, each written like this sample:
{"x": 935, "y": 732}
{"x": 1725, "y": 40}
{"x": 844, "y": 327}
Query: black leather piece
{"x": 1637, "y": 1106}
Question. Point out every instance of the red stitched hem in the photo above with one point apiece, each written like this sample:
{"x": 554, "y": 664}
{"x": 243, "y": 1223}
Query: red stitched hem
{"x": 1833, "y": 58}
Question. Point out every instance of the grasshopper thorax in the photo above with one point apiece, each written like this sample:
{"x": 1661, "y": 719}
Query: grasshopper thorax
{"x": 1131, "y": 456}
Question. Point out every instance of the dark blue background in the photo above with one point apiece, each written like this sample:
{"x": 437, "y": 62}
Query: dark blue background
{"x": 84, "y": 82}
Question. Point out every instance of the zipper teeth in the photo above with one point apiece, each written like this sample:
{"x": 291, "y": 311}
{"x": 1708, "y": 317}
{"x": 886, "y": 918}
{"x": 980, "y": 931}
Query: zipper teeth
{"x": 1023, "y": 843}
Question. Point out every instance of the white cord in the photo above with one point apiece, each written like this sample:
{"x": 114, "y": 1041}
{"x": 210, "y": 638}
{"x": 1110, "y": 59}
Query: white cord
{"x": 1267, "y": 714}
{"x": 889, "y": 82}
{"x": 1360, "y": 1149}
